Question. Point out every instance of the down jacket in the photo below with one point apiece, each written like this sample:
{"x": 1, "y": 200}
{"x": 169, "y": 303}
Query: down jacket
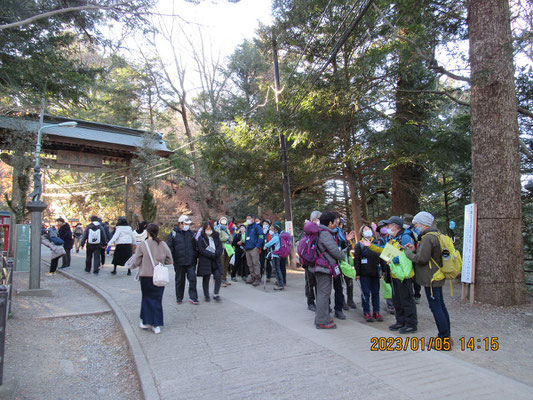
{"x": 208, "y": 261}
{"x": 183, "y": 247}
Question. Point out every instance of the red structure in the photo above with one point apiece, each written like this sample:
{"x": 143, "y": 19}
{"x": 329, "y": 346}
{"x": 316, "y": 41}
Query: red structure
{"x": 5, "y": 219}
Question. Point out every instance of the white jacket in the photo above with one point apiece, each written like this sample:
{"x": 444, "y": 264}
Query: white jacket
{"x": 123, "y": 235}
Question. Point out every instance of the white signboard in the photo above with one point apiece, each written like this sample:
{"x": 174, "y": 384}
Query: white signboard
{"x": 469, "y": 244}
{"x": 289, "y": 228}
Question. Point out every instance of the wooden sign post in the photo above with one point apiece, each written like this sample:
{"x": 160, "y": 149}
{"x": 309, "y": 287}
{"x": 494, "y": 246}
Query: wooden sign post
{"x": 468, "y": 272}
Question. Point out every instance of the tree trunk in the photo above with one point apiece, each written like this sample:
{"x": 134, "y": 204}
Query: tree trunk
{"x": 356, "y": 202}
{"x": 495, "y": 155}
{"x": 406, "y": 180}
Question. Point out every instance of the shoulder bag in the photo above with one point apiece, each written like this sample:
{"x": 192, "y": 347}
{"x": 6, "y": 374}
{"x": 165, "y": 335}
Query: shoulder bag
{"x": 160, "y": 277}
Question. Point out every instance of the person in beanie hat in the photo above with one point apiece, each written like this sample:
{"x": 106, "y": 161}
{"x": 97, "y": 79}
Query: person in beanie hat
{"x": 429, "y": 252}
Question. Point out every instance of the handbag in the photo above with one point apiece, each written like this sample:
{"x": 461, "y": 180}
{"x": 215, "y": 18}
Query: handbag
{"x": 129, "y": 263}
{"x": 160, "y": 277}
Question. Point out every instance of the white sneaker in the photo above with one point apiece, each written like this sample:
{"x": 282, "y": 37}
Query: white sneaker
{"x": 156, "y": 329}
{"x": 143, "y": 326}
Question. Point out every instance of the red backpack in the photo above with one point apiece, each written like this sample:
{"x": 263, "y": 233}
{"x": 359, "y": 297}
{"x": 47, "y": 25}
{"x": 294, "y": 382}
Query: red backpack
{"x": 285, "y": 245}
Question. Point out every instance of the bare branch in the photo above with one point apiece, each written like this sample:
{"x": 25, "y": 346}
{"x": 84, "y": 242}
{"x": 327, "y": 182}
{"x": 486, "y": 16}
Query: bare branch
{"x": 49, "y": 14}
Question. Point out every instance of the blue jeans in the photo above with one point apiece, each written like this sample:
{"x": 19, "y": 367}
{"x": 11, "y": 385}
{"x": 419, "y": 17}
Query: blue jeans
{"x": 369, "y": 287}
{"x": 440, "y": 313}
{"x": 276, "y": 263}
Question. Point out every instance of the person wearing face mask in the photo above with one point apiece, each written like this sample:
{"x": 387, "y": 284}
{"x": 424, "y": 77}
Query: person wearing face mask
{"x": 415, "y": 233}
{"x": 225, "y": 237}
{"x": 240, "y": 267}
{"x": 402, "y": 291}
{"x": 184, "y": 252}
{"x": 264, "y": 261}
{"x": 427, "y": 257}
{"x": 252, "y": 243}
{"x": 209, "y": 263}
{"x": 368, "y": 266}
{"x": 274, "y": 244}
{"x": 381, "y": 241}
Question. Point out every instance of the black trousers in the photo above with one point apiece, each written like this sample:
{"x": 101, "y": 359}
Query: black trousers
{"x": 217, "y": 275}
{"x": 310, "y": 286}
{"x": 66, "y": 258}
{"x": 349, "y": 288}
{"x": 339, "y": 295}
{"x": 181, "y": 272}
{"x": 417, "y": 288}
{"x": 404, "y": 302}
{"x": 53, "y": 264}
{"x": 93, "y": 255}
{"x": 240, "y": 267}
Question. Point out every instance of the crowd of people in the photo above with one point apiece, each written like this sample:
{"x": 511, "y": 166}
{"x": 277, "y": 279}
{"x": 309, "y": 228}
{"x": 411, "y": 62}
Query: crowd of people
{"x": 418, "y": 239}
{"x": 258, "y": 249}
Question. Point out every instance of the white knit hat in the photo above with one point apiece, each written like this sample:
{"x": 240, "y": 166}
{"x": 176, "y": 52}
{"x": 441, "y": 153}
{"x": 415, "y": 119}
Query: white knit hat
{"x": 424, "y": 218}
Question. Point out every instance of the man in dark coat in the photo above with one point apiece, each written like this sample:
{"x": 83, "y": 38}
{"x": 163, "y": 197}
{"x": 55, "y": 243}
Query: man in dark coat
{"x": 184, "y": 252}
{"x": 65, "y": 233}
{"x": 96, "y": 239}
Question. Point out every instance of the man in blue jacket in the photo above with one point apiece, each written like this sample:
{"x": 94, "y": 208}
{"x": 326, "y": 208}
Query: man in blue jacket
{"x": 254, "y": 242}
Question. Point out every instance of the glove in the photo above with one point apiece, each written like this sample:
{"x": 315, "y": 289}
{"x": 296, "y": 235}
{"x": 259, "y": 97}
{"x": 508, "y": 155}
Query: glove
{"x": 108, "y": 249}
{"x": 396, "y": 260}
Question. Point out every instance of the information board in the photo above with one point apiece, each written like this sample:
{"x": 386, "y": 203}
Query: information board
{"x": 469, "y": 244}
{"x": 22, "y": 248}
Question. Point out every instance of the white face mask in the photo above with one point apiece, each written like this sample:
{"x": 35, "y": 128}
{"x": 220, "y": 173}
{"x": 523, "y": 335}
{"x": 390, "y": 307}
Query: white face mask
{"x": 265, "y": 228}
{"x": 317, "y": 222}
{"x": 249, "y": 221}
{"x": 208, "y": 233}
{"x": 367, "y": 233}
{"x": 186, "y": 227}
{"x": 389, "y": 231}
{"x": 271, "y": 232}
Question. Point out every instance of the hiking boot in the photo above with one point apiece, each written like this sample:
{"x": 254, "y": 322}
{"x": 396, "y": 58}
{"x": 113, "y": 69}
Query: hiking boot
{"x": 278, "y": 287}
{"x": 156, "y": 329}
{"x": 340, "y": 315}
{"x": 351, "y": 304}
{"x": 377, "y": 316}
{"x": 368, "y": 317}
{"x": 256, "y": 283}
{"x": 417, "y": 299}
{"x": 234, "y": 279}
{"x": 250, "y": 281}
{"x": 207, "y": 299}
{"x": 408, "y": 329}
{"x": 195, "y": 302}
{"x": 329, "y": 325}
{"x": 217, "y": 298}
{"x": 345, "y": 307}
{"x": 268, "y": 280}
{"x": 179, "y": 301}
{"x": 114, "y": 272}
{"x": 396, "y": 327}
{"x": 311, "y": 307}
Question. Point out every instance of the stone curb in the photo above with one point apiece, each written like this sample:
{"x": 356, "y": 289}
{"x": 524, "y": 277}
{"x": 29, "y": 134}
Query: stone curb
{"x": 148, "y": 385}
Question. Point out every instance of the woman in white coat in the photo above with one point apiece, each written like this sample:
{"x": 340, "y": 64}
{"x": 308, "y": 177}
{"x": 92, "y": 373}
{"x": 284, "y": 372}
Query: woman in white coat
{"x": 124, "y": 240}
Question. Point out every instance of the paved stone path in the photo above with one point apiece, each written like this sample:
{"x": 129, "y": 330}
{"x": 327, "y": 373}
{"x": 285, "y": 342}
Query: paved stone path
{"x": 262, "y": 344}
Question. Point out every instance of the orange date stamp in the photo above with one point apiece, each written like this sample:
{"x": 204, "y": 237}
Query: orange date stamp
{"x": 409, "y": 343}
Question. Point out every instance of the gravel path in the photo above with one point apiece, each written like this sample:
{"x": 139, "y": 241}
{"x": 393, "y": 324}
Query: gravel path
{"x": 72, "y": 357}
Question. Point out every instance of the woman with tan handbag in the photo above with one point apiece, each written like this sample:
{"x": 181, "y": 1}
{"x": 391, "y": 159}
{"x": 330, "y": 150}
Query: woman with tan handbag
{"x": 152, "y": 295}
